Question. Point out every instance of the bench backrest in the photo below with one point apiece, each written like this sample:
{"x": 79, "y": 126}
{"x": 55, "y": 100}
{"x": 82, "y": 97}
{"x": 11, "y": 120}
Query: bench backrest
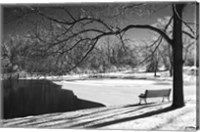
{"x": 157, "y": 93}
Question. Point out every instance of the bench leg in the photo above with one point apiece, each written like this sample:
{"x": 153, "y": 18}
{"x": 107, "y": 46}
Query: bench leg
{"x": 145, "y": 100}
{"x": 140, "y": 101}
{"x": 163, "y": 99}
{"x": 168, "y": 99}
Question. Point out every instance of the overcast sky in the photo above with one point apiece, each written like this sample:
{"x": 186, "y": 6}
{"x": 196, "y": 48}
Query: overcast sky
{"x": 148, "y": 14}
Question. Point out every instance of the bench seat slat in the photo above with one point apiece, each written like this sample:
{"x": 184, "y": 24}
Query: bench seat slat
{"x": 155, "y": 93}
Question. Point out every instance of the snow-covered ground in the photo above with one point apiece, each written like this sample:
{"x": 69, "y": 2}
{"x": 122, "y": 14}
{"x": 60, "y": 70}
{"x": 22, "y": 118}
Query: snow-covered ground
{"x": 179, "y": 119}
{"x": 123, "y": 90}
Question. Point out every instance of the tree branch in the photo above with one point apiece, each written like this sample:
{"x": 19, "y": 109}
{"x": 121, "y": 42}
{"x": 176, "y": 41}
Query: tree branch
{"x": 189, "y": 35}
{"x": 74, "y": 35}
{"x": 74, "y": 45}
{"x": 152, "y": 53}
{"x": 86, "y": 54}
{"x": 69, "y": 14}
{"x": 163, "y": 34}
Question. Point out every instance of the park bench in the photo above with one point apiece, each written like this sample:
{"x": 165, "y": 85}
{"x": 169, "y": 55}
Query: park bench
{"x": 164, "y": 93}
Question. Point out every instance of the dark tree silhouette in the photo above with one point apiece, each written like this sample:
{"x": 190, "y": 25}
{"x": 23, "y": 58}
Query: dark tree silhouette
{"x": 177, "y": 45}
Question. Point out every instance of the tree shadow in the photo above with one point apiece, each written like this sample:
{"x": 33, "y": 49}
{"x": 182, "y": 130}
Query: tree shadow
{"x": 132, "y": 105}
{"x": 131, "y": 118}
{"x": 95, "y": 118}
{"x": 33, "y": 97}
{"x": 109, "y": 116}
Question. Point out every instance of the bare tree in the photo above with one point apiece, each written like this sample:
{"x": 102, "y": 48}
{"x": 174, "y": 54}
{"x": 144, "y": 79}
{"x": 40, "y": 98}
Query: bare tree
{"x": 85, "y": 29}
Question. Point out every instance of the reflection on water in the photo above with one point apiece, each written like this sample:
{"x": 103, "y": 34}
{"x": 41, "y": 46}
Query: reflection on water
{"x": 33, "y": 97}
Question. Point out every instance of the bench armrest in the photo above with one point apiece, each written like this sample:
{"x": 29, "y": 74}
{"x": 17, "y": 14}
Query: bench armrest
{"x": 142, "y": 95}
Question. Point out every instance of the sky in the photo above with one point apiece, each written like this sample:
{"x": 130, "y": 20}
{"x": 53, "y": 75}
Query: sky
{"x": 148, "y": 14}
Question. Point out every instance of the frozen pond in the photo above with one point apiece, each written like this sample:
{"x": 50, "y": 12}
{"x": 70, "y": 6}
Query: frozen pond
{"x": 118, "y": 91}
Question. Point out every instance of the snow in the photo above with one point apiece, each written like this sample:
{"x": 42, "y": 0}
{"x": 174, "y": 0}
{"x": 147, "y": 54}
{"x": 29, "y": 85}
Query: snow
{"x": 112, "y": 91}
{"x": 123, "y": 91}
{"x": 179, "y": 119}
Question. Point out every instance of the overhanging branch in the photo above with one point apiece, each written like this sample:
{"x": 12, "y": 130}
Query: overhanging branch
{"x": 163, "y": 34}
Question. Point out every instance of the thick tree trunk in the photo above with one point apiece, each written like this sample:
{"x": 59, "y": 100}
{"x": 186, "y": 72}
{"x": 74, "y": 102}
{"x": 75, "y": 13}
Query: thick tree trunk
{"x": 178, "y": 95}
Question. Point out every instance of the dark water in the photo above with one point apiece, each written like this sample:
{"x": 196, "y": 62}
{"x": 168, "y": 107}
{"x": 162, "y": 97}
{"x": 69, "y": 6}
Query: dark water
{"x": 33, "y": 97}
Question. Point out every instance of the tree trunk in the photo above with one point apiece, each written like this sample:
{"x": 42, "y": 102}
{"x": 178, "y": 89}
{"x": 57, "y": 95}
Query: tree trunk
{"x": 170, "y": 54}
{"x": 155, "y": 69}
{"x": 178, "y": 96}
{"x": 155, "y": 64}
